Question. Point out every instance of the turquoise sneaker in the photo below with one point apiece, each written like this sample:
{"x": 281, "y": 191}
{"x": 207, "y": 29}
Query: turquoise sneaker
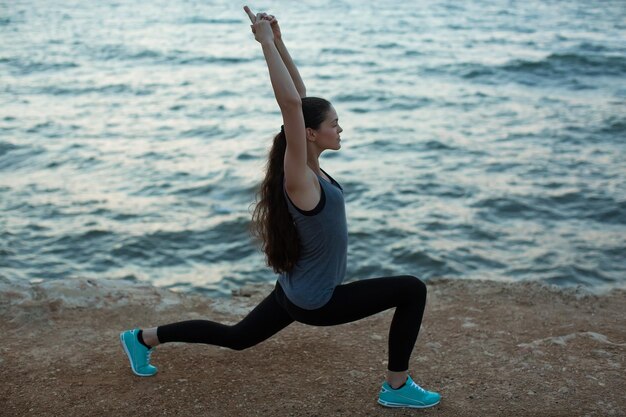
{"x": 138, "y": 354}
{"x": 410, "y": 395}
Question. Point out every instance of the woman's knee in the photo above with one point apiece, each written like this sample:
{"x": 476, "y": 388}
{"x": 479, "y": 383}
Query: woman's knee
{"x": 415, "y": 286}
{"x": 240, "y": 345}
{"x": 238, "y": 339}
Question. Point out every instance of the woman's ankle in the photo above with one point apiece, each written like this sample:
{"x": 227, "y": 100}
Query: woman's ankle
{"x": 150, "y": 336}
{"x": 397, "y": 379}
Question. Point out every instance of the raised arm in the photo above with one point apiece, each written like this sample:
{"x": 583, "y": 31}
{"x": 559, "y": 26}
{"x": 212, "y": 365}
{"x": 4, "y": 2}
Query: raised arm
{"x": 284, "y": 88}
{"x": 284, "y": 53}
{"x": 290, "y": 103}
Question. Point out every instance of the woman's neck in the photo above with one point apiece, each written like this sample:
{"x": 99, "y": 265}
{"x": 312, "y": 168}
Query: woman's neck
{"x": 314, "y": 164}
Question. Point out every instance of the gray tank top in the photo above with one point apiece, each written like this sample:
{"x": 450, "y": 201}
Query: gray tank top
{"x": 323, "y": 235}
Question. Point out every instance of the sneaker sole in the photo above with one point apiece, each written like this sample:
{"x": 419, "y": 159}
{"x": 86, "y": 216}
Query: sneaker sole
{"x": 399, "y": 405}
{"x": 130, "y": 357}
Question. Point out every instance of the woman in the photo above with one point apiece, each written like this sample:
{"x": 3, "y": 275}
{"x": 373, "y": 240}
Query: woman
{"x": 300, "y": 221}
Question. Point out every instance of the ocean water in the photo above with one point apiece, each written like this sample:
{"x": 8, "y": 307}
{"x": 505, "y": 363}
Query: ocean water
{"x": 482, "y": 139}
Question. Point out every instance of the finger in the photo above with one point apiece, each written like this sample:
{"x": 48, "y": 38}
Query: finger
{"x": 250, "y": 14}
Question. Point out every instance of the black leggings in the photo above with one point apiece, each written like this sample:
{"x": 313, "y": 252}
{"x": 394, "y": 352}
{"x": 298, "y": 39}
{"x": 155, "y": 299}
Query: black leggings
{"x": 350, "y": 302}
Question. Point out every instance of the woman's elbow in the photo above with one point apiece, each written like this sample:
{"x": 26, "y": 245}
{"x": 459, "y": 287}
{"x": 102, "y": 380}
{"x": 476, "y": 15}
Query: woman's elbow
{"x": 290, "y": 103}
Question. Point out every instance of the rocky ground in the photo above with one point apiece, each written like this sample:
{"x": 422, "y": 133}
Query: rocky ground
{"x": 490, "y": 349}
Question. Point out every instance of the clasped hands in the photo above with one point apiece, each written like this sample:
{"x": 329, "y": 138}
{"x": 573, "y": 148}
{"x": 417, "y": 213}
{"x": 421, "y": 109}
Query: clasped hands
{"x": 265, "y": 27}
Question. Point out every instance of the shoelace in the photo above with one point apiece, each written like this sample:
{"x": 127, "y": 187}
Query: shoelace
{"x": 413, "y": 384}
{"x": 148, "y": 353}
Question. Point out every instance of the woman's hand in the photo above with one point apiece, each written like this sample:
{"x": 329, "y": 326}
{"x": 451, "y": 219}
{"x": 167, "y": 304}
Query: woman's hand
{"x": 260, "y": 26}
{"x": 275, "y": 27}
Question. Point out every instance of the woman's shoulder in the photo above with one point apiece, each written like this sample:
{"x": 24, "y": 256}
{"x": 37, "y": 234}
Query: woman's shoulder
{"x": 307, "y": 196}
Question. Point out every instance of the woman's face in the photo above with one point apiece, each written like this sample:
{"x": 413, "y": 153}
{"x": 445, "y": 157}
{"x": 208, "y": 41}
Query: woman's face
{"x": 327, "y": 135}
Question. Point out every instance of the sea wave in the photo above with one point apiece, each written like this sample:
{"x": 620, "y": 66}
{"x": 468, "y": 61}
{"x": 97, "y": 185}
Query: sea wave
{"x": 554, "y": 69}
{"x": 23, "y": 66}
{"x": 6, "y": 147}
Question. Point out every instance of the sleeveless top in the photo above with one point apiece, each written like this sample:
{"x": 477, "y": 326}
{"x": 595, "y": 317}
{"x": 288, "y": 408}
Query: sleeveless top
{"x": 323, "y": 236}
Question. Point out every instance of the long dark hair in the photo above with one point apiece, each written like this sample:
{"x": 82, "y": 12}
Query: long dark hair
{"x": 272, "y": 225}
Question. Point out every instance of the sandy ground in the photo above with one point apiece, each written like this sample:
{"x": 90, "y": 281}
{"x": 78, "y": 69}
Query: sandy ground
{"x": 490, "y": 349}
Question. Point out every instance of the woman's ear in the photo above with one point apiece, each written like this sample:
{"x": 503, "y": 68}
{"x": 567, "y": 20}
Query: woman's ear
{"x": 310, "y": 134}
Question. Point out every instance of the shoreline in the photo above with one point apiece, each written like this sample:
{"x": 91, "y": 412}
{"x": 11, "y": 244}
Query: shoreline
{"x": 490, "y": 348}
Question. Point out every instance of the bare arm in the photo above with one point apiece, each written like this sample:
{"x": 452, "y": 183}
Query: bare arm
{"x": 284, "y": 88}
{"x": 291, "y": 66}
{"x": 290, "y": 103}
{"x": 284, "y": 53}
